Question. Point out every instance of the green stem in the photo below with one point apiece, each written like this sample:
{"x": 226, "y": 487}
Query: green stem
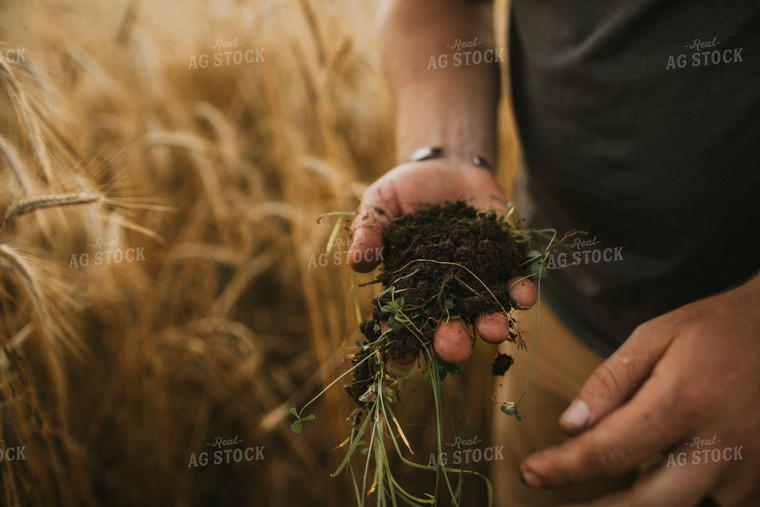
{"x": 538, "y": 316}
{"x": 535, "y": 343}
{"x": 323, "y": 391}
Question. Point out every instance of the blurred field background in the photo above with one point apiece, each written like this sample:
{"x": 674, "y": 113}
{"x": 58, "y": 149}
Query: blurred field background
{"x": 112, "y": 376}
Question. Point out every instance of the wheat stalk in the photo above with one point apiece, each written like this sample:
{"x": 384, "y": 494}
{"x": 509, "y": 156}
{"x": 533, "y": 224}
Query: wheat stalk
{"x": 28, "y": 117}
{"x": 50, "y": 299}
{"x": 31, "y": 204}
{"x": 16, "y": 165}
{"x": 27, "y": 272}
{"x": 14, "y": 343}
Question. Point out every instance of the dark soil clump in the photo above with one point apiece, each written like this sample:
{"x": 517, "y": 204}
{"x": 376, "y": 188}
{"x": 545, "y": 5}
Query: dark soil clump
{"x": 362, "y": 378}
{"x": 443, "y": 262}
{"x": 501, "y": 364}
{"x": 455, "y": 234}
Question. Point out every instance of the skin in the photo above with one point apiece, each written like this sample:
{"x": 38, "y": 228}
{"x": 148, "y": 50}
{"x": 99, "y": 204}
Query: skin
{"x": 692, "y": 372}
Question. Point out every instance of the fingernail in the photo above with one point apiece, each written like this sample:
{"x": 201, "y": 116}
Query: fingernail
{"x": 576, "y": 414}
{"x": 531, "y": 478}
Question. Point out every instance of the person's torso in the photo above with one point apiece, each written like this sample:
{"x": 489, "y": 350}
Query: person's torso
{"x": 640, "y": 123}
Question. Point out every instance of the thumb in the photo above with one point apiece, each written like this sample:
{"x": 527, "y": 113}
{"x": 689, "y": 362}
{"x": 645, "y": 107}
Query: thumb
{"x": 367, "y": 231}
{"x": 614, "y": 381}
{"x": 367, "y": 240}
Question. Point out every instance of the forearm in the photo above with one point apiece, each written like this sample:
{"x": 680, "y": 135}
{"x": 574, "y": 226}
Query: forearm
{"x": 454, "y": 107}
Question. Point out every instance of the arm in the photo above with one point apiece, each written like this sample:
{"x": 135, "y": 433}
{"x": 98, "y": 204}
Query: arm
{"x": 455, "y": 108}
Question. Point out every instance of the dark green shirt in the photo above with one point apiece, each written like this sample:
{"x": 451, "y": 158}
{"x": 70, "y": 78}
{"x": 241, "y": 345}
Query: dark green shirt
{"x": 640, "y": 123}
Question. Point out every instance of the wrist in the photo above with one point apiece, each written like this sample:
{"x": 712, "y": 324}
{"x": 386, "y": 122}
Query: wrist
{"x": 437, "y": 152}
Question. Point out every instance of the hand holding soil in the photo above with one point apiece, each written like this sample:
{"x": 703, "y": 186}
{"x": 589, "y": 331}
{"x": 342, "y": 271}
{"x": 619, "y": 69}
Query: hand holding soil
{"x": 450, "y": 272}
{"x": 408, "y": 188}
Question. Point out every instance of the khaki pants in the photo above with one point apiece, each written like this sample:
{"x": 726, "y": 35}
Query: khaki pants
{"x": 561, "y": 367}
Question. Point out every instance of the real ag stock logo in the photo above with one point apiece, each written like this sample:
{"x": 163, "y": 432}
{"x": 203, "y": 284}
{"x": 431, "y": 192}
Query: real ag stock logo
{"x": 225, "y": 452}
{"x": 107, "y": 252}
{"x": 10, "y": 454}
{"x": 466, "y": 451}
{"x": 339, "y": 252}
{"x": 705, "y": 450}
{"x": 226, "y": 54}
{"x": 463, "y": 53}
{"x": 583, "y": 251}
{"x": 704, "y": 53}
{"x": 12, "y": 54}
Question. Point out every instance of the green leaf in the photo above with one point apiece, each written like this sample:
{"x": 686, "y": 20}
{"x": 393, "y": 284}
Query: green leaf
{"x": 394, "y": 324}
{"x": 297, "y": 425}
{"x": 538, "y": 270}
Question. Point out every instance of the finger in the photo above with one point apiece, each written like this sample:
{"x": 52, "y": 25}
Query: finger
{"x": 741, "y": 484}
{"x": 375, "y": 212}
{"x": 493, "y": 327}
{"x": 630, "y": 435}
{"x": 367, "y": 238}
{"x": 668, "y": 485}
{"x": 452, "y": 342}
{"x": 523, "y": 292}
{"x": 614, "y": 381}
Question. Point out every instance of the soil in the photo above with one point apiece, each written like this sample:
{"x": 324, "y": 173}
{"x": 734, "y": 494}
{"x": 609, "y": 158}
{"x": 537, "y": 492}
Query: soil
{"x": 501, "y": 364}
{"x": 475, "y": 255}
